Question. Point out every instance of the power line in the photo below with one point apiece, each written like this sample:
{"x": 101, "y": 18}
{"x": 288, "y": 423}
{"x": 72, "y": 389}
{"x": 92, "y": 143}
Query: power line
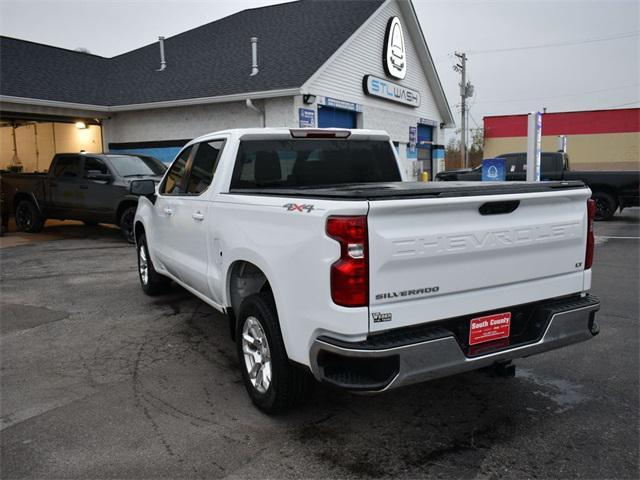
{"x": 624, "y": 104}
{"x": 606, "y": 38}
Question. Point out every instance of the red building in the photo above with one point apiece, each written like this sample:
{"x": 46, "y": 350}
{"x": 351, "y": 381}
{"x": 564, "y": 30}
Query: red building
{"x": 596, "y": 140}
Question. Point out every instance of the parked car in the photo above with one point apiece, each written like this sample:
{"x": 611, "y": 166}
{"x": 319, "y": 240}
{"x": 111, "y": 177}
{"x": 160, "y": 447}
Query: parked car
{"x": 93, "y": 188}
{"x": 330, "y": 267}
{"x": 611, "y": 190}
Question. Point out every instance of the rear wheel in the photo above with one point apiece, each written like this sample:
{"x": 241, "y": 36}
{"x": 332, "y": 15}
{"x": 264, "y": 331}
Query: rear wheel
{"x": 151, "y": 281}
{"x": 126, "y": 224}
{"x": 606, "y": 205}
{"x": 28, "y": 218}
{"x": 273, "y": 382}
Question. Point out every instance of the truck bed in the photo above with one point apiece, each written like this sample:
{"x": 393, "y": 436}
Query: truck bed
{"x": 398, "y": 190}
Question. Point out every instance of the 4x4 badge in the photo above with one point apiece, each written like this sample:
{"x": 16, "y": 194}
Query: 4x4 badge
{"x": 295, "y": 207}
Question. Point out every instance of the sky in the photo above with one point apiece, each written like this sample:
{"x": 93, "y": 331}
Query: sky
{"x": 585, "y": 55}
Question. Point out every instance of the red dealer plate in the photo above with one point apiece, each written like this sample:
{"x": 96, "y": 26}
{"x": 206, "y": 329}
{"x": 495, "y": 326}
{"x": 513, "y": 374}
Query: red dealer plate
{"x": 491, "y": 327}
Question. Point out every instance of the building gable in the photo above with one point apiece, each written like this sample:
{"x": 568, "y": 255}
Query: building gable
{"x": 342, "y": 75}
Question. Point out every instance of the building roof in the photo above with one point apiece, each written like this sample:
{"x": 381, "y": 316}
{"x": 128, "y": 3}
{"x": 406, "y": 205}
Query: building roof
{"x": 295, "y": 40}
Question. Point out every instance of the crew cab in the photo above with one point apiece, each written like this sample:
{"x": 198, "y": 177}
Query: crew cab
{"x": 93, "y": 188}
{"x": 331, "y": 267}
{"x": 611, "y": 190}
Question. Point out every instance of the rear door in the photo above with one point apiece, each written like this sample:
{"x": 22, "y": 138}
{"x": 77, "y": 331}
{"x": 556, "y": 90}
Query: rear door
{"x": 433, "y": 259}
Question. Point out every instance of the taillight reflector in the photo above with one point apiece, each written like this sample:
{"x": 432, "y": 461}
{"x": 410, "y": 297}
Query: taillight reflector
{"x": 350, "y": 274}
{"x": 591, "y": 215}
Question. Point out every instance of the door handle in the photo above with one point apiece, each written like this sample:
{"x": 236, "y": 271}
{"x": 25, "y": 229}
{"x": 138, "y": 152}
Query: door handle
{"x": 198, "y": 216}
{"x": 84, "y": 187}
{"x": 168, "y": 212}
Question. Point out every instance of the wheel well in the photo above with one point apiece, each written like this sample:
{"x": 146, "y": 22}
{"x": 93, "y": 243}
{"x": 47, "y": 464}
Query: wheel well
{"x": 23, "y": 196}
{"x": 138, "y": 230}
{"x": 244, "y": 279}
{"x": 124, "y": 205}
{"x": 605, "y": 189}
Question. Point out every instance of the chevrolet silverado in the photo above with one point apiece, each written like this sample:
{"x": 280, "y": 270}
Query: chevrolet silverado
{"x": 331, "y": 267}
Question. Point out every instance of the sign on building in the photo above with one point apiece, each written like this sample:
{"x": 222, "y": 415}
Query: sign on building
{"x": 306, "y": 118}
{"x": 395, "y": 57}
{"x": 381, "y": 88}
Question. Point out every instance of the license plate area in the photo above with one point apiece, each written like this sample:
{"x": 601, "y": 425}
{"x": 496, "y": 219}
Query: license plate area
{"x": 489, "y": 328}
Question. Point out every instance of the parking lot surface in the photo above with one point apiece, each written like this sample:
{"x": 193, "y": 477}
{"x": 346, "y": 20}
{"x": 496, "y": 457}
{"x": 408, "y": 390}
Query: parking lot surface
{"x": 100, "y": 381}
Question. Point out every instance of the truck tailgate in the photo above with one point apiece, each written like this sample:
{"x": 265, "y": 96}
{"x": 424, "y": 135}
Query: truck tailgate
{"x": 437, "y": 258}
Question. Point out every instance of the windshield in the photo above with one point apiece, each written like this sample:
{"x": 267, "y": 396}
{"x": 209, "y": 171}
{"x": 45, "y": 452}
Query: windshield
{"x": 132, "y": 166}
{"x": 312, "y": 163}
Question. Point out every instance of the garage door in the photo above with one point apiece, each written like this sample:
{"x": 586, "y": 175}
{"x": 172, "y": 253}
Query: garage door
{"x": 336, "y": 117}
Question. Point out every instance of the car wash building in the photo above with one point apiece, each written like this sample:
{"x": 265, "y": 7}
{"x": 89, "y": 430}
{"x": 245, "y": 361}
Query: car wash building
{"x": 348, "y": 64}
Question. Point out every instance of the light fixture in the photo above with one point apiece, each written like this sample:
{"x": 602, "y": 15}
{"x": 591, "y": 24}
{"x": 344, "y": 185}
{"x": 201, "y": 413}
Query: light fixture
{"x": 81, "y": 125}
{"x": 309, "y": 99}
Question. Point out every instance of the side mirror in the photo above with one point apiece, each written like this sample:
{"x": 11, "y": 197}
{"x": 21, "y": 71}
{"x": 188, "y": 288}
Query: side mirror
{"x": 143, "y": 188}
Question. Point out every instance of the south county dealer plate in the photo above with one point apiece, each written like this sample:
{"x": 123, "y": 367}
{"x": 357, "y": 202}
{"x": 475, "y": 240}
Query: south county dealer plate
{"x": 489, "y": 328}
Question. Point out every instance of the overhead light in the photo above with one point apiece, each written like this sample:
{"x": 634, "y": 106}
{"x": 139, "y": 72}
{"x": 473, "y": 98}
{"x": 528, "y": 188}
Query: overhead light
{"x": 81, "y": 125}
{"x": 309, "y": 99}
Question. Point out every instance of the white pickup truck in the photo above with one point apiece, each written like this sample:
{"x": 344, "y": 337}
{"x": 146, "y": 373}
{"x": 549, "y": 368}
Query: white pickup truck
{"x": 330, "y": 266}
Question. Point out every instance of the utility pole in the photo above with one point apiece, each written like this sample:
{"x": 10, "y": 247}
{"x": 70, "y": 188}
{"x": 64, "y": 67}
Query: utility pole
{"x": 466, "y": 91}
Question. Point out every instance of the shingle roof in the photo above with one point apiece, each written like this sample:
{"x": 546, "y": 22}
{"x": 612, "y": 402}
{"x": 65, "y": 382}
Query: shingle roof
{"x": 295, "y": 39}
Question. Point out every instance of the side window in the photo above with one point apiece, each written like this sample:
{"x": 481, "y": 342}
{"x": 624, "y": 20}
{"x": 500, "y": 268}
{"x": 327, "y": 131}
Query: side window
{"x": 67, "y": 167}
{"x": 204, "y": 166}
{"x": 95, "y": 164}
{"x": 173, "y": 182}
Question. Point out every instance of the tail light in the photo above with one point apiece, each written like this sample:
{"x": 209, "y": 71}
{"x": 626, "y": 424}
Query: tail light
{"x": 591, "y": 214}
{"x": 318, "y": 133}
{"x": 350, "y": 274}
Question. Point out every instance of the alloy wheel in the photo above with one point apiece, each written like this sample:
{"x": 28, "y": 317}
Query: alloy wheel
{"x": 257, "y": 356}
{"x": 143, "y": 265}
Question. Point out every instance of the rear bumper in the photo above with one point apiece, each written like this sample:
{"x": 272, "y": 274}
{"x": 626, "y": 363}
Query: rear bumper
{"x": 426, "y": 352}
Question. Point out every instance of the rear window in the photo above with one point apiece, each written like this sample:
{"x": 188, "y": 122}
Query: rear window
{"x": 312, "y": 163}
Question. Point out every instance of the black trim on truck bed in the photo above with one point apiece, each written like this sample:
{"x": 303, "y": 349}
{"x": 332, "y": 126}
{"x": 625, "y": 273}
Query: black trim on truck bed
{"x": 397, "y": 190}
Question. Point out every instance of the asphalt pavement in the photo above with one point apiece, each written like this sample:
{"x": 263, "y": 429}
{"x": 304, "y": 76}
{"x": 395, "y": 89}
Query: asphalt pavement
{"x": 99, "y": 381}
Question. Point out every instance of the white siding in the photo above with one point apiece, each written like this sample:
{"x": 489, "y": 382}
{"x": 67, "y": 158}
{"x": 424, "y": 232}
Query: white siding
{"x": 179, "y": 123}
{"x": 342, "y": 78}
{"x": 280, "y": 112}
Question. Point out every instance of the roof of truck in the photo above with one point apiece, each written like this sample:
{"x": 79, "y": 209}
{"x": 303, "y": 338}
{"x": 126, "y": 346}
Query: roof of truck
{"x": 265, "y": 133}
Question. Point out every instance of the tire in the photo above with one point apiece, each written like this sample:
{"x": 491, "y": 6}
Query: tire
{"x": 126, "y": 224}
{"x": 152, "y": 282}
{"x": 28, "y": 218}
{"x": 606, "y": 205}
{"x": 278, "y": 384}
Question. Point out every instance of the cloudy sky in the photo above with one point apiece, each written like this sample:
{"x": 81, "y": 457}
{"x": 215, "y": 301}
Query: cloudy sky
{"x": 585, "y": 55}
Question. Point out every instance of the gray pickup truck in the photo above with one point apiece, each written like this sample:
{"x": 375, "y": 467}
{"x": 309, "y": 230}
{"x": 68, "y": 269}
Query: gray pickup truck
{"x": 92, "y": 188}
